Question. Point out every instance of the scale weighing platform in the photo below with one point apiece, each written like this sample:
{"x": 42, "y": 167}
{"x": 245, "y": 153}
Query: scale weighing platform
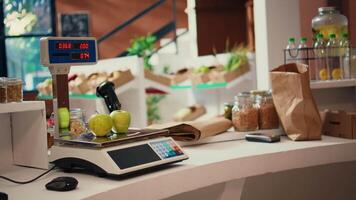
{"x": 117, "y": 154}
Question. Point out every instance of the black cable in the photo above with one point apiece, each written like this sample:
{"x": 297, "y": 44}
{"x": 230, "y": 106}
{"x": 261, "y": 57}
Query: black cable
{"x": 30, "y": 181}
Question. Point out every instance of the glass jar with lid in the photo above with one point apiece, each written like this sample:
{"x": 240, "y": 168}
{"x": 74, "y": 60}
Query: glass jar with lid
{"x": 3, "y": 92}
{"x": 268, "y": 117}
{"x": 245, "y": 112}
{"x": 329, "y": 21}
{"x": 77, "y": 123}
{"x": 14, "y": 90}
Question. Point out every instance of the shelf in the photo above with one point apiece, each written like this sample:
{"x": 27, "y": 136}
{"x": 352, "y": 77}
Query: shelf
{"x": 118, "y": 91}
{"x": 21, "y": 106}
{"x": 333, "y": 84}
{"x": 152, "y": 84}
{"x": 223, "y": 85}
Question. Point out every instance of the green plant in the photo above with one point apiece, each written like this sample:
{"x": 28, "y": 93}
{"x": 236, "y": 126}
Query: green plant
{"x": 238, "y": 57}
{"x": 167, "y": 69}
{"x": 143, "y": 46}
{"x": 202, "y": 70}
{"x": 153, "y": 114}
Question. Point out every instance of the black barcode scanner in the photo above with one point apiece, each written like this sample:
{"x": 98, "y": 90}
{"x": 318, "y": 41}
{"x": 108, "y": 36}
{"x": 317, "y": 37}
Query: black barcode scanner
{"x": 106, "y": 90}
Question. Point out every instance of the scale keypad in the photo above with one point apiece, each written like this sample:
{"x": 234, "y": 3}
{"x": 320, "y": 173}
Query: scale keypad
{"x": 166, "y": 149}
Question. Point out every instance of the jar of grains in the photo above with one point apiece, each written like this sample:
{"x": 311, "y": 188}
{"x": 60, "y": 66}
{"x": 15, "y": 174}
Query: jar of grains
{"x": 3, "y": 92}
{"x": 245, "y": 113}
{"x": 268, "y": 117}
{"x": 77, "y": 124}
{"x": 14, "y": 90}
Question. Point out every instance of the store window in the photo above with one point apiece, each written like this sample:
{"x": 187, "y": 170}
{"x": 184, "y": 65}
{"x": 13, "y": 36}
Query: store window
{"x": 25, "y": 22}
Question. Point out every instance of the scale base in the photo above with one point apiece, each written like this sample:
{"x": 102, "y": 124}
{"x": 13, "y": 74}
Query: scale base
{"x": 121, "y": 160}
{"x": 75, "y": 165}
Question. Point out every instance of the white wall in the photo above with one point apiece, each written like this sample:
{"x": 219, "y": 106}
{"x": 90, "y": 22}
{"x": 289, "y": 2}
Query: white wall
{"x": 272, "y": 33}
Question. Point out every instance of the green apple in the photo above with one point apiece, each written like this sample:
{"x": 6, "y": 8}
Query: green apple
{"x": 100, "y": 124}
{"x": 63, "y": 117}
{"x": 121, "y": 119}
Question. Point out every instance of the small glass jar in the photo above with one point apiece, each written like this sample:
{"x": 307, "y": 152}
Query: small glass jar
{"x": 14, "y": 90}
{"x": 268, "y": 117}
{"x": 77, "y": 123}
{"x": 3, "y": 90}
{"x": 245, "y": 113}
{"x": 228, "y": 110}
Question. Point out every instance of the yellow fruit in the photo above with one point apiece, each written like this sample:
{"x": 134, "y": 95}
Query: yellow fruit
{"x": 100, "y": 124}
{"x": 336, "y": 74}
{"x": 323, "y": 74}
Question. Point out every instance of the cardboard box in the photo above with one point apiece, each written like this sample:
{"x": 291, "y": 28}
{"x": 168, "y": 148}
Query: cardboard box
{"x": 339, "y": 124}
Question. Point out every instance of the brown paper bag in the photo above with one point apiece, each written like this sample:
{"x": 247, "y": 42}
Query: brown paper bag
{"x": 195, "y": 130}
{"x": 294, "y": 102}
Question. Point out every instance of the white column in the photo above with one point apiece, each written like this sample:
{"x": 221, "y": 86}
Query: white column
{"x": 275, "y": 22}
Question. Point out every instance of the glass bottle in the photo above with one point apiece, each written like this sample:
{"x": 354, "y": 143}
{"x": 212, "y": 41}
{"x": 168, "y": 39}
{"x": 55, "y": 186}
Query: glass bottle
{"x": 321, "y": 73}
{"x": 302, "y": 51}
{"x": 245, "y": 113}
{"x": 329, "y": 20}
{"x": 345, "y": 55}
{"x": 291, "y": 51}
{"x": 333, "y": 61}
{"x": 14, "y": 90}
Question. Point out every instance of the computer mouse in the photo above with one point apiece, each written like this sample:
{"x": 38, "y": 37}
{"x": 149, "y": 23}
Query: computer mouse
{"x": 3, "y": 196}
{"x": 64, "y": 183}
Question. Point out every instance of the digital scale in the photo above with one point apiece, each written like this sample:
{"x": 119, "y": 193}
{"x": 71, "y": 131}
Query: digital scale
{"x": 116, "y": 154}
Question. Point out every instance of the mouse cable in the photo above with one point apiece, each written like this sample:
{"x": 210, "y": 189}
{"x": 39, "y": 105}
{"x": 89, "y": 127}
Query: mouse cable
{"x": 30, "y": 181}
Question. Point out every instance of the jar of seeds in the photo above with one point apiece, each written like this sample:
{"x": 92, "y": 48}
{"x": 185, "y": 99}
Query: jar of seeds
{"x": 14, "y": 90}
{"x": 3, "y": 90}
{"x": 245, "y": 112}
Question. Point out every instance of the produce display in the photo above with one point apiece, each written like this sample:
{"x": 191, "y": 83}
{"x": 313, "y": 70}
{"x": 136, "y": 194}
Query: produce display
{"x": 86, "y": 84}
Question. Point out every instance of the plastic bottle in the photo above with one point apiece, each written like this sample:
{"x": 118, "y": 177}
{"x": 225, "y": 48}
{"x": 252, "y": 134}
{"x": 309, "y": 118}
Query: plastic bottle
{"x": 321, "y": 72}
{"x": 291, "y": 51}
{"x": 333, "y": 63}
{"x": 303, "y": 51}
{"x": 345, "y": 55}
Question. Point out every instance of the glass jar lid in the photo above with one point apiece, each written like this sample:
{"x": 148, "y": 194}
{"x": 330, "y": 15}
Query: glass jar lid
{"x": 13, "y": 81}
{"x": 76, "y": 113}
{"x": 328, "y": 10}
{"x": 2, "y": 81}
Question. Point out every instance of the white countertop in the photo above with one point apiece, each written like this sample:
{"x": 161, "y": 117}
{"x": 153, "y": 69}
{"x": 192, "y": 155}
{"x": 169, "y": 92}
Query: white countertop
{"x": 208, "y": 164}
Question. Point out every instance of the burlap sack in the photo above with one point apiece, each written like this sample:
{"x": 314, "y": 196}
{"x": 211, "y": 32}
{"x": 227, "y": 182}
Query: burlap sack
{"x": 294, "y": 102}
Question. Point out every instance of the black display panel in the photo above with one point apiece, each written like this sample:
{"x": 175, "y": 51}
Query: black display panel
{"x": 133, "y": 156}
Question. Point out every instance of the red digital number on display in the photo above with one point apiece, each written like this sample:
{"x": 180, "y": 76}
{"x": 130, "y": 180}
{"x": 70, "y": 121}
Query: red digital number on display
{"x": 84, "y": 56}
{"x": 84, "y": 46}
{"x": 64, "y": 45}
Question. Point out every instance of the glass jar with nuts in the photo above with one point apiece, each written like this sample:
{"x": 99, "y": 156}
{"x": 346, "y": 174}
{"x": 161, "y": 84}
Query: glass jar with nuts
{"x": 3, "y": 90}
{"x": 245, "y": 113}
{"x": 14, "y": 90}
{"x": 77, "y": 124}
{"x": 268, "y": 117}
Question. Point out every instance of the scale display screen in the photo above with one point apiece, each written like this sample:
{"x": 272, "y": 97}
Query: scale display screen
{"x": 72, "y": 51}
{"x": 133, "y": 156}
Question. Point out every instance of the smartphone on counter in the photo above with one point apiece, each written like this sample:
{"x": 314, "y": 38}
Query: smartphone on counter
{"x": 263, "y": 137}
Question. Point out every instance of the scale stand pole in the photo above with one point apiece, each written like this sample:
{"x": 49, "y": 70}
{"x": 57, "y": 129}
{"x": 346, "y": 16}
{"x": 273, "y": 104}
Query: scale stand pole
{"x": 60, "y": 93}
